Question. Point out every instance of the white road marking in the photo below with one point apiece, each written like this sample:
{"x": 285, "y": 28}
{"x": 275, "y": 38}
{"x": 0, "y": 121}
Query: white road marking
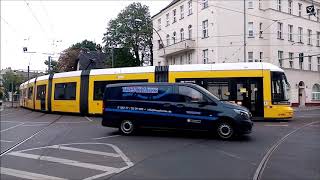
{"x": 5, "y": 141}
{"x": 12, "y": 127}
{"x": 88, "y": 118}
{"x": 276, "y": 125}
{"x": 27, "y": 175}
{"x": 108, "y": 170}
{"x": 37, "y": 124}
{"x": 105, "y": 137}
{"x": 84, "y": 151}
{"x": 30, "y": 122}
{"x": 66, "y": 162}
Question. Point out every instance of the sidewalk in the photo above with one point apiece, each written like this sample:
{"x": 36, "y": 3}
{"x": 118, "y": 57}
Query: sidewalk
{"x": 306, "y": 108}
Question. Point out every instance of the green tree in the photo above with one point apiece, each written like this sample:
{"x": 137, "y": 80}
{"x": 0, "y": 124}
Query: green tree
{"x": 85, "y": 44}
{"x": 131, "y": 29}
{"x": 11, "y": 80}
{"x": 68, "y": 58}
{"x": 122, "y": 58}
{"x": 54, "y": 65}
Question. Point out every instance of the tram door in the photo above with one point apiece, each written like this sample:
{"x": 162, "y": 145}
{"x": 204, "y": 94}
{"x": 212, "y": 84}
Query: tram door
{"x": 41, "y": 93}
{"x": 250, "y": 95}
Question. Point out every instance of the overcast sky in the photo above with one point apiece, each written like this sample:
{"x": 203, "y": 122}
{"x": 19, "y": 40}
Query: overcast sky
{"x": 37, "y": 24}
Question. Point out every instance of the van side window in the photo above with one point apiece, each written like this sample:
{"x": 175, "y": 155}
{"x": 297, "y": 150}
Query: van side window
{"x": 65, "y": 91}
{"x": 188, "y": 94}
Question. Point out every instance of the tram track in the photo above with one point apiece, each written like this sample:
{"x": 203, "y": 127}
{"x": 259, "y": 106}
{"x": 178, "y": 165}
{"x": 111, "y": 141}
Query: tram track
{"x": 10, "y": 113}
{"x": 31, "y": 136}
{"x": 262, "y": 165}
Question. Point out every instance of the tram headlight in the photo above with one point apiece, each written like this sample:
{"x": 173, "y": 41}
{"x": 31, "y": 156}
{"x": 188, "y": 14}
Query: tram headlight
{"x": 242, "y": 113}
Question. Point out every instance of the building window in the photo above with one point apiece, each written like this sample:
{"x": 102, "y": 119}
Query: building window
{"x": 181, "y": 59}
{"x": 159, "y": 44}
{"x": 279, "y": 5}
{"x": 259, "y": 4}
{"x": 190, "y": 7}
{"x": 250, "y": 56}
{"x": 190, "y": 32}
{"x": 189, "y": 58}
{"x": 204, "y": 4}
{"x": 309, "y": 37}
{"x": 250, "y": 29}
{"x": 280, "y": 58}
{"x": 159, "y": 24}
{"x": 261, "y": 57}
{"x": 205, "y": 56}
{"x": 174, "y": 16}
{"x": 318, "y": 15}
{"x": 181, "y": 12}
{"x": 318, "y": 58}
{"x": 260, "y": 30}
{"x": 316, "y": 92}
{"x": 290, "y": 29}
{"x": 168, "y": 39}
{"x": 290, "y": 6}
{"x": 174, "y": 37}
{"x": 181, "y": 34}
{"x": 279, "y": 32}
{"x": 250, "y": 4}
{"x": 310, "y": 63}
{"x": 167, "y": 20}
{"x": 205, "y": 33}
{"x": 291, "y": 59}
{"x": 300, "y": 62}
{"x": 65, "y": 91}
{"x": 300, "y": 30}
{"x": 300, "y": 9}
{"x": 318, "y": 39}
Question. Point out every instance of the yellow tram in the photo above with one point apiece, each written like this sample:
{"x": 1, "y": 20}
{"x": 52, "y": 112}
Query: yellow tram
{"x": 261, "y": 87}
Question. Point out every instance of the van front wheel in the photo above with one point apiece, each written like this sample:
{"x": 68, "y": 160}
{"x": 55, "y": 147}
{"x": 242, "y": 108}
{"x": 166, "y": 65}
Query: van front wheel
{"x": 127, "y": 127}
{"x": 225, "y": 130}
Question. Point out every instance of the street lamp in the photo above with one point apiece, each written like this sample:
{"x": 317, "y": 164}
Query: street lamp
{"x": 162, "y": 44}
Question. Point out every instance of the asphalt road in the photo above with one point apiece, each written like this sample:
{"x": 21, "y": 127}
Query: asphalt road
{"x": 52, "y": 146}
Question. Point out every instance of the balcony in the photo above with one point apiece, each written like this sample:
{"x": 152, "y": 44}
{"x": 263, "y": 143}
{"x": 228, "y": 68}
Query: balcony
{"x": 177, "y": 48}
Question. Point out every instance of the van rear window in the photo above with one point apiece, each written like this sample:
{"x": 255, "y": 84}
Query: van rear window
{"x": 151, "y": 93}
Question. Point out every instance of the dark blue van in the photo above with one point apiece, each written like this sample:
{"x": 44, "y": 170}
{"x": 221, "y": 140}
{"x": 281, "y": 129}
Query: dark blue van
{"x": 129, "y": 106}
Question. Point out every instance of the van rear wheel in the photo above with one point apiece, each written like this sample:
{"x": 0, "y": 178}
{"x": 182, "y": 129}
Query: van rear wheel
{"x": 225, "y": 130}
{"x": 127, "y": 127}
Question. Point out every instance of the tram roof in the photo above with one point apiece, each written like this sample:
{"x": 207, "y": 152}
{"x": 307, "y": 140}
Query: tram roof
{"x": 225, "y": 66}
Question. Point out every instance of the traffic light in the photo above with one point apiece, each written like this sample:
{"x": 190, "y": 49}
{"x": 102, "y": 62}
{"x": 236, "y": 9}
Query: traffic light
{"x": 301, "y": 57}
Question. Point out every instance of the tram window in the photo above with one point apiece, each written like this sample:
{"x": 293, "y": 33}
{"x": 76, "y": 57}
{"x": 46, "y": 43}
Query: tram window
{"x": 99, "y": 86}
{"x": 30, "y": 90}
{"x": 219, "y": 89}
{"x": 41, "y": 92}
{"x": 65, "y": 91}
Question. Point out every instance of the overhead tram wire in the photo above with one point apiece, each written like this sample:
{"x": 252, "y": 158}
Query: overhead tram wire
{"x": 48, "y": 17}
{"x": 35, "y": 17}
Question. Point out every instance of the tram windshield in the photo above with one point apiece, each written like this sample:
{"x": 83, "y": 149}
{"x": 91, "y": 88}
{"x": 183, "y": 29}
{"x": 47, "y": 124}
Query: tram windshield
{"x": 280, "y": 88}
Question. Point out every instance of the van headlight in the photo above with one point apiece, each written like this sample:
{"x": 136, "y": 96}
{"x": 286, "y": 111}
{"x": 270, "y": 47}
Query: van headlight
{"x": 243, "y": 113}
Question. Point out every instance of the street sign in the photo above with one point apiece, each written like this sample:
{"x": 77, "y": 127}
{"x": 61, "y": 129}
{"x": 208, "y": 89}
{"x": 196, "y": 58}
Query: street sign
{"x": 311, "y": 10}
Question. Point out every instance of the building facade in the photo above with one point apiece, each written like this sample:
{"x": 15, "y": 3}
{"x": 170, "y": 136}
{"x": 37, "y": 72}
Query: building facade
{"x": 276, "y": 31}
